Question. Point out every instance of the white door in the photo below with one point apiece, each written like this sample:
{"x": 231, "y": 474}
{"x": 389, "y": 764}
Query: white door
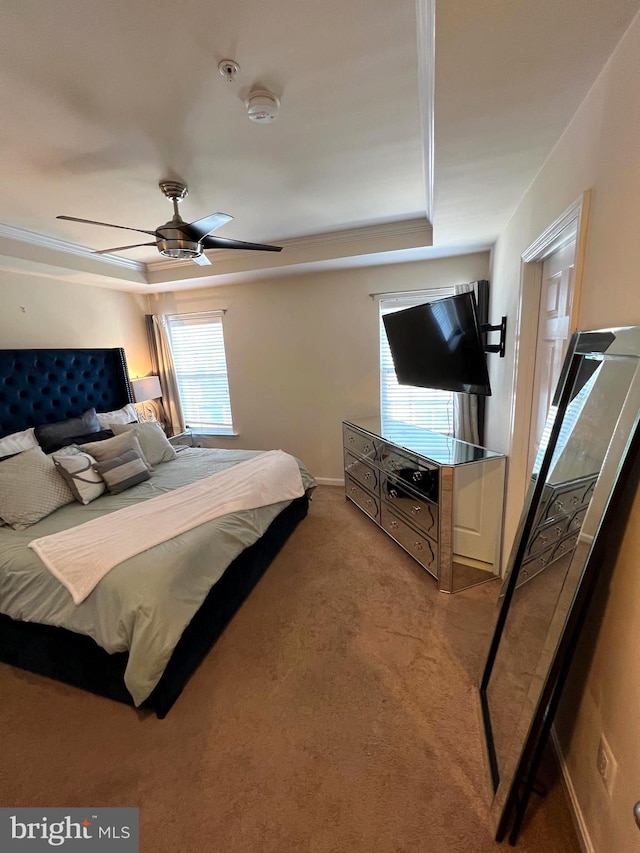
{"x": 554, "y": 330}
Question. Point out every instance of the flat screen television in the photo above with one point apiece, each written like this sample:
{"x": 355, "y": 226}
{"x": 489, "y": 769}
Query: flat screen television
{"x": 439, "y": 345}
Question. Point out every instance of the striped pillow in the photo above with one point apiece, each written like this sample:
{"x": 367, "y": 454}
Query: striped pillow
{"x": 122, "y": 472}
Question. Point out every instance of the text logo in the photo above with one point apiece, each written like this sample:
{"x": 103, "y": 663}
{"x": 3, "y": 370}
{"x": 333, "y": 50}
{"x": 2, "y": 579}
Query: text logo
{"x": 101, "y": 829}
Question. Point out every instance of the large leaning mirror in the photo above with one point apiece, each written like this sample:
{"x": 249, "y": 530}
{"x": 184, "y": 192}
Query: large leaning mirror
{"x": 588, "y": 444}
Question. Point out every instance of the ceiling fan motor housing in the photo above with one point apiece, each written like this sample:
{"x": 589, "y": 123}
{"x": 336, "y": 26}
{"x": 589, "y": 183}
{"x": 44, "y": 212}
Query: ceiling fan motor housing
{"x": 173, "y": 243}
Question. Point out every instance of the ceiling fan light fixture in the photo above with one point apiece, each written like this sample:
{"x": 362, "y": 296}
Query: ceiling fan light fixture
{"x": 180, "y": 254}
{"x": 262, "y": 106}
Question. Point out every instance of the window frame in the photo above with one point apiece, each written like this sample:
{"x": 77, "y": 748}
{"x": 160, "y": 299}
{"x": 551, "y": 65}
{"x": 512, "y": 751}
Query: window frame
{"x": 226, "y": 426}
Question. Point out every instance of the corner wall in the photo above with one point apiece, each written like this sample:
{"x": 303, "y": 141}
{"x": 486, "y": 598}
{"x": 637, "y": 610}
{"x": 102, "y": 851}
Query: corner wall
{"x": 37, "y": 312}
{"x": 600, "y": 150}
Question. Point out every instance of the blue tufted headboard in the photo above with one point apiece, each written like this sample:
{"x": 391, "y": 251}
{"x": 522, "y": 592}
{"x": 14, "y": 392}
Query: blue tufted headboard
{"x": 39, "y": 386}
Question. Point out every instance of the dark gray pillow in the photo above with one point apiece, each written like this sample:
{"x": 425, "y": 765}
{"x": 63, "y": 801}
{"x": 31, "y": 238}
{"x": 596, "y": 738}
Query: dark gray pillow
{"x": 122, "y": 472}
{"x": 52, "y": 437}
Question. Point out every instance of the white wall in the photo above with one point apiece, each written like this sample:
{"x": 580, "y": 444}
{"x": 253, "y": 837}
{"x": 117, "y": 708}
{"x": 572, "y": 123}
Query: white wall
{"x": 302, "y": 351}
{"x": 39, "y": 312}
{"x": 600, "y": 150}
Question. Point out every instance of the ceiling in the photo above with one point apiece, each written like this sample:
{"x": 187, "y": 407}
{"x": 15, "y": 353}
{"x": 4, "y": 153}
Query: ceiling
{"x": 101, "y": 100}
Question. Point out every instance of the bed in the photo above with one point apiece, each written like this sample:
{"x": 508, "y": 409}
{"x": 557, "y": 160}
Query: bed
{"x": 104, "y": 643}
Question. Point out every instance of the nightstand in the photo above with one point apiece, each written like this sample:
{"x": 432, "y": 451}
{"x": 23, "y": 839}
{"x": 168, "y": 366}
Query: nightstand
{"x": 183, "y": 438}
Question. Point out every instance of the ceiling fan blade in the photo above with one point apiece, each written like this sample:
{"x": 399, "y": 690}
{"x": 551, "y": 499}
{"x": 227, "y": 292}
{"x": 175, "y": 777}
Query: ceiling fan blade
{"x": 202, "y": 260}
{"x": 106, "y": 224}
{"x": 226, "y": 243}
{"x": 119, "y": 248}
{"x": 202, "y": 227}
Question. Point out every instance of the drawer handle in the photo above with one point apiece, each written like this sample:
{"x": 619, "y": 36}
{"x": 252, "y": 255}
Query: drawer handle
{"x": 351, "y": 439}
{"x": 353, "y": 490}
{"x": 543, "y": 538}
{"x": 559, "y": 505}
{"x": 575, "y": 499}
{"x": 417, "y": 546}
{"x": 558, "y": 531}
{"x": 393, "y": 493}
{"x": 369, "y": 502}
{"x": 416, "y": 476}
{"x": 367, "y": 476}
{"x": 415, "y": 510}
{"x": 366, "y": 448}
{"x": 393, "y": 525}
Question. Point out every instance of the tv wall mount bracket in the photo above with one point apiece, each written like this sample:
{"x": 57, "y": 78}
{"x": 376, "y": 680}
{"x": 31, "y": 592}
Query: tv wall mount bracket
{"x": 502, "y": 328}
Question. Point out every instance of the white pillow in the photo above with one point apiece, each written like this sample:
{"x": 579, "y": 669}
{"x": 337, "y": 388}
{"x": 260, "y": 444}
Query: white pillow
{"x": 17, "y": 442}
{"x": 77, "y": 470}
{"x": 155, "y": 445}
{"x": 126, "y": 415}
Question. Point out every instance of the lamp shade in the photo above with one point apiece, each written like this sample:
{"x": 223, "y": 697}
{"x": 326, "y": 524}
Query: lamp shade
{"x": 147, "y": 388}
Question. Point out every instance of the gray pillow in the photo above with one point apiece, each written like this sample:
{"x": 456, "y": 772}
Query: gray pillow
{"x": 124, "y": 471}
{"x": 77, "y": 470}
{"x": 52, "y": 437}
{"x": 30, "y": 488}
{"x": 154, "y": 443}
{"x": 112, "y": 447}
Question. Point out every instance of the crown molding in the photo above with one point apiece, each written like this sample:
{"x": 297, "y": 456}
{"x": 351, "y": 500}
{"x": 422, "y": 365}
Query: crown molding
{"x": 426, "y": 34}
{"x": 409, "y": 228}
{"x": 10, "y": 232}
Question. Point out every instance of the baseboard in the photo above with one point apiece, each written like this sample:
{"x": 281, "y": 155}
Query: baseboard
{"x": 576, "y": 811}
{"x": 329, "y": 481}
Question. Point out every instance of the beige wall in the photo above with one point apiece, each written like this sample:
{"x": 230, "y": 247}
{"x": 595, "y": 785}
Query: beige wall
{"x": 38, "y": 312}
{"x": 302, "y": 351}
{"x": 600, "y": 150}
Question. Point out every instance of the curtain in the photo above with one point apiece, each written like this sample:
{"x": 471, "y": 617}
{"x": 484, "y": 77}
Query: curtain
{"x": 468, "y": 409}
{"x": 162, "y": 365}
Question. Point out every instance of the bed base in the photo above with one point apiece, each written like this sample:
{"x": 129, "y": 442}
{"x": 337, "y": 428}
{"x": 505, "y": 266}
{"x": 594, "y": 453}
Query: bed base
{"x": 77, "y": 660}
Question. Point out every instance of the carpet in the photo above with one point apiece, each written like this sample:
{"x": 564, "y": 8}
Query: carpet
{"x": 337, "y": 713}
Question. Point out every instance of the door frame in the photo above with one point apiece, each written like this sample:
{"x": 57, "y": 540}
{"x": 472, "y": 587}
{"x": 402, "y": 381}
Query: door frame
{"x": 527, "y": 327}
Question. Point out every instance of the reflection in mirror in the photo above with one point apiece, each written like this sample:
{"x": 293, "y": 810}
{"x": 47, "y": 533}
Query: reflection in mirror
{"x": 587, "y": 432}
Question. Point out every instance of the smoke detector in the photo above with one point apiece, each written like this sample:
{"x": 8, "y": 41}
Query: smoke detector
{"x": 262, "y": 106}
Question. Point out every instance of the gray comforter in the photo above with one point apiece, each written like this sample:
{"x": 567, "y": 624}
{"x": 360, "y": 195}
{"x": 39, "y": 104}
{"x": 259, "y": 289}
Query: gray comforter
{"x": 143, "y": 604}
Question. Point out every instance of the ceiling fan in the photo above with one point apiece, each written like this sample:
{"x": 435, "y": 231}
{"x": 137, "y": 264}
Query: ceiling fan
{"x": 180, "y": 239}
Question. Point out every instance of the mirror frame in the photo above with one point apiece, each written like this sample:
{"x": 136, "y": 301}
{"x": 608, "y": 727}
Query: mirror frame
{"x": 514, "y": 781}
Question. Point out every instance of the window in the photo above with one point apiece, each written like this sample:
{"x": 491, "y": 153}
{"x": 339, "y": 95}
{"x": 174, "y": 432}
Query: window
{"x": 197, "y": 346}
{"x": 423, "y": 407}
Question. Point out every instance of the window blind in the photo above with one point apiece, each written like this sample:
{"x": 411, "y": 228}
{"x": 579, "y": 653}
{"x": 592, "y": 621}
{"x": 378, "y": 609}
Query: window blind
{"x": 197, "y": 346}
{"x": 405, "y": 404}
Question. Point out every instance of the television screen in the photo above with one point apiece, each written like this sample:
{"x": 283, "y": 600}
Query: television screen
{"x": 439, "y": 345}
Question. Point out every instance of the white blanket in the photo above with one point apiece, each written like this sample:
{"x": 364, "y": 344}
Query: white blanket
{"x": 81, "y": 556}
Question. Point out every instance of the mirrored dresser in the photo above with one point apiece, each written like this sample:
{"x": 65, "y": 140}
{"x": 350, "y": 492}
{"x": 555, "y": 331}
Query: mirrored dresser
{"x": 439, "y": 498}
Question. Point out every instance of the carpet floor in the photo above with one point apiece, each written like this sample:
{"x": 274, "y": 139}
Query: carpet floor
{"x": 338, "y": 713}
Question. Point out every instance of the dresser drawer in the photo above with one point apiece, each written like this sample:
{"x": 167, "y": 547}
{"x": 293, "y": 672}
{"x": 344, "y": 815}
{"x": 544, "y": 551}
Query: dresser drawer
{"x": 367, "y": 502}
{"x": 419, "y": 511}
{"x": 415, "y": 472}
{"x": 359, "y": 443}
{"x": 365, "y": 474}
{"x": 534, "y": 565}
{"x": 545, "y": 536}
{"x": 566, "y": 546}
{"x": 566, "y": 498}
{"x": 421, "y": 548}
